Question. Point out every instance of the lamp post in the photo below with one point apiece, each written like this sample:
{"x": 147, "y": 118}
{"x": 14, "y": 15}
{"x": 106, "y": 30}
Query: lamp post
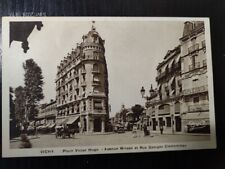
{"x": 172, "y": 118}
{"x": 142, "y": 91}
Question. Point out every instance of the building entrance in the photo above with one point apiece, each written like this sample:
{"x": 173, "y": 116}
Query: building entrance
{"x": 178, "y": 123}
{"x": 85, "y": 125}
{"x": 97, "y": 125}
{"x": 153, "y": 124}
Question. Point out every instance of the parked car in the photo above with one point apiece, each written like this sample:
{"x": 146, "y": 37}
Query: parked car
{"x": 198, "y": 128}
{"x": 30, "y": 130}
{"x": 119, "y": 128}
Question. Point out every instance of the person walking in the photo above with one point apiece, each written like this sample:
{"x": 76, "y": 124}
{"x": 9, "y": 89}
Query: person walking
{"x": 161, "y": 128}
{"x": 134, "y": 131}
{"x": 145, "y": 130}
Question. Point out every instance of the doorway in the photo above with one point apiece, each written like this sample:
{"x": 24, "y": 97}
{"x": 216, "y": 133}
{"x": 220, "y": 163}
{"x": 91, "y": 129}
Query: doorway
{"x": 97, "y": 125}
{"x": 178, "y": 123}
{"x": 154, "y": 124}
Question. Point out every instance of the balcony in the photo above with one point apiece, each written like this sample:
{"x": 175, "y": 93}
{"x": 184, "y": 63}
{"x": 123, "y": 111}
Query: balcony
{"x": 198, "y": 108}
{"x": 195, "y": 90}
{"x": 76, "y": 87}
{"x": 96, "y": 83}
{"x": 160, "y": 76}
{"x": 193, "y": 48}
{"x": 76, "y": 75}
{"x": 69, "y": 79}
{"x": 195, "y": 66}
{"x": 64, "y": 92}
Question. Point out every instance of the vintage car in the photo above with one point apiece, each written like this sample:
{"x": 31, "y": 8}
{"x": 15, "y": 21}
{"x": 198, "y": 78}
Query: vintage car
{"x": 198, "y": 128}
{"x": 64, "y": 132}
{"x": 119, "y": 128}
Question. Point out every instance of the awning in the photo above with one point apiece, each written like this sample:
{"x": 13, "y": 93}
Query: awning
{"x": 170, "y": 63}
{"x": 52, "y": 125}
{"x": 197, "y": 116}
{"x": 61, "y": 121}
{"x": 72, "y": 119}
{"x": 171, "y": 80}
{"x": 172, "y": 92}
{"x": 178, "y": 59}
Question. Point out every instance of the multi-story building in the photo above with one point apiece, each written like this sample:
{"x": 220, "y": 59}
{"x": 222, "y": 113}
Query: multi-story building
{"x": 164, "y": 102}
{"x": 194, "y": 75}
{"x": 181, "y": 98}
{"x": 47, "y": 114}
{"x": 82, "y": 85}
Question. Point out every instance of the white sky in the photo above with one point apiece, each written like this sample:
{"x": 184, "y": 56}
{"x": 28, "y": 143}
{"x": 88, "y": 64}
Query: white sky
{"x": 133, "y": 49}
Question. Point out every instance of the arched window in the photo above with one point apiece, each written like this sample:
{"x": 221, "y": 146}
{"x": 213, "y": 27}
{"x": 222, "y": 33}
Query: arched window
{"x": 177, "y": 107}
{"x": 95, "y": 67}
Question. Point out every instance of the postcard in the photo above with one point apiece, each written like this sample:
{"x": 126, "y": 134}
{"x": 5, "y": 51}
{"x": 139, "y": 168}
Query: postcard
{"x": 102, "y": 85}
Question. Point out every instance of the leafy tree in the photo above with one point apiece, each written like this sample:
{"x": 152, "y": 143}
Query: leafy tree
{"x": 12, "y": 104}
{"x": 33, "y": 87}
{"x": 20, "y": 104}
{"x": 137, "y": 110}
{"x": 123, "y": 114}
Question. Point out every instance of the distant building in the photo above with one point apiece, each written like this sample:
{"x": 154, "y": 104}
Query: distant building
{"x": 82, "y": 86}
{"x": 47, "y": 114}
{"x": 181, "y": 97}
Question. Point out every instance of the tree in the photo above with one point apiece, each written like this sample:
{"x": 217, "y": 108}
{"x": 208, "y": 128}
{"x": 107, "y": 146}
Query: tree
{"x": 123, "y": 114}
{"x": 33, "y": 88}
{"x": 20, "y": 104}
{"x": 137, "y": 110}
{"x": 11, "y": 104}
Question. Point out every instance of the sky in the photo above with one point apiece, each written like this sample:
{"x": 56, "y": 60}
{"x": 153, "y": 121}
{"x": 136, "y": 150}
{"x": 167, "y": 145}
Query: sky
{"x": 133, "y": 50}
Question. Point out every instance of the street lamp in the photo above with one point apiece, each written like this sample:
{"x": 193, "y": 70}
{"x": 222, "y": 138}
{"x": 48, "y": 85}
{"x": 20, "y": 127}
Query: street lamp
{"x": 172, "y": 116}
{"x": 142, "y": 91}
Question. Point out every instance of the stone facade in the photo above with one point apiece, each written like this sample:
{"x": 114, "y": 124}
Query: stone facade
{"x": 82, "y": 85}
{"x": 195, "y": 105}
{"x": 181, "y": 98}
{"x": 47, "y": 113}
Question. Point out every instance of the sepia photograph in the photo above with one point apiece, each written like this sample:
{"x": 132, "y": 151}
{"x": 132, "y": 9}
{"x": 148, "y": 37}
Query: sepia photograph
{"x": 99, "y": 85}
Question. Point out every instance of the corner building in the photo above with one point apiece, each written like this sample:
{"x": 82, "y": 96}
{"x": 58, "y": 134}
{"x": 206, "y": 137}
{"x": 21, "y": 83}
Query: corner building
{"x": 181, "y": 103}
{"x": 82, "y": 86}
{"x": 194, "y": 75}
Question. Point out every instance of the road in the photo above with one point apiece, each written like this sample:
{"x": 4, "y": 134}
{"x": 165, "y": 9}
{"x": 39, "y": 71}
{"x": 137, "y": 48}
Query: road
{"x": 49, "y": 140}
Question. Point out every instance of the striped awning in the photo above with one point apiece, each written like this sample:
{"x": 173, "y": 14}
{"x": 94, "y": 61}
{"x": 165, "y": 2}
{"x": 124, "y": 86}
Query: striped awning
{"x": 72, "y": 119}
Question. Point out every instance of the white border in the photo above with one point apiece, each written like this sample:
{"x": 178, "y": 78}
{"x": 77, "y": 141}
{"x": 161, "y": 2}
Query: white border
{"x": 7, "y": 152}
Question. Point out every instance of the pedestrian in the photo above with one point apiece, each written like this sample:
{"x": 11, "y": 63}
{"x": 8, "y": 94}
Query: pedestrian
{"x": 145, "y": 130}
{"x": 25, "y": 142}
{"x": 134, "y": 131}
{"x": 161, "y": 128}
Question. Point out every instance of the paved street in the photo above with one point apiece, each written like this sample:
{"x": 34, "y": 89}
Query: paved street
{"x": 49, "y": 140}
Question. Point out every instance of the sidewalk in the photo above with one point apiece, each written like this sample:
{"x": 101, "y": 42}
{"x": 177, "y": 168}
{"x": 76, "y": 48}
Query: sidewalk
{"x": 16, "y": 139}
{"x": 179, "y": 133}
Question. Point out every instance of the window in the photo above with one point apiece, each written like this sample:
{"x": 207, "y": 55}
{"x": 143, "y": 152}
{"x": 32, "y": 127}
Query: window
{"x": 204, "y": 62}
{"x": 84, "y": 106}
{"x": 203, "y": 44}
{"x": 95, "y": 67}
{"x": 96, "y": 89}
{"x": 84, "y": 90}
{"x": 84, "y": 77}
{"x": 168, "y": 121}
{"x": 187, "y": 99}
{"x": 98, "y": 104}
{"x": 196, "y": 99}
